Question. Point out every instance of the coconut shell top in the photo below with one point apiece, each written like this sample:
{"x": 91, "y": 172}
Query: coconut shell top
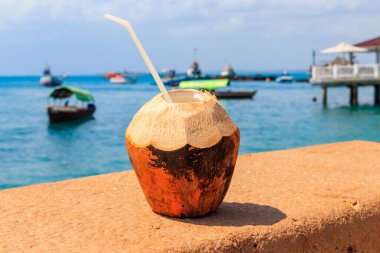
{"x": 195, "y": 118}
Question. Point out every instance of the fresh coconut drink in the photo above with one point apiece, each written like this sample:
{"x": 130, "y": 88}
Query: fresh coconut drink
{"x": 183, "y": 147}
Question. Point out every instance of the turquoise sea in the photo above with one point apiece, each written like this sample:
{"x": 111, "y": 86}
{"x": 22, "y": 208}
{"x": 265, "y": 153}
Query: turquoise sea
{"x": 281, "y": 116}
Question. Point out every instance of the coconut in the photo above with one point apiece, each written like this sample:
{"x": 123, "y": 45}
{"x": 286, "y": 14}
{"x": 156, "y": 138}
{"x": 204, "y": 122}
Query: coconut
{"x": 183, "y": 153}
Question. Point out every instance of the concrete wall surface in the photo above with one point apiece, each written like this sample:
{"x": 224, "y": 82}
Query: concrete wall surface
{"x": 323, "y": 198}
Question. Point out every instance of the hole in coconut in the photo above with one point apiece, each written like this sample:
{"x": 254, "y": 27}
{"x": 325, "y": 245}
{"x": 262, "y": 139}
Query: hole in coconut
{"x": 186, "y": 96}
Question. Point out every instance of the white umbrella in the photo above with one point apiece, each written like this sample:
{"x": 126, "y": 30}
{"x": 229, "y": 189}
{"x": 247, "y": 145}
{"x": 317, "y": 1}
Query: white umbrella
{"x": 344, "y": 48}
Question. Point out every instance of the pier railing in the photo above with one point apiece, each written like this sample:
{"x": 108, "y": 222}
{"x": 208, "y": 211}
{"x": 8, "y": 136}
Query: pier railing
{"x": 345, "y": 73}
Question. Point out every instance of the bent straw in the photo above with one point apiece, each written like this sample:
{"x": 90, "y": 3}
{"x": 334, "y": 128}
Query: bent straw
{"x": 144, "y": 55}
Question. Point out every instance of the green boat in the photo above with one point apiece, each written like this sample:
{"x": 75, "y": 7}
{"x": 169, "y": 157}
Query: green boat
{"x": 214, "y": 84}
{"x": 205, "y": 84}
{"x": 61, "y": 110}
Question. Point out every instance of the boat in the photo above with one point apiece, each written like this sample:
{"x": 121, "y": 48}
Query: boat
{"x": 121, "y": 79}
{"x": 60, "y": 109}
{"x": 194, "y": 71}
{"x": 285, "y": 78}
{"x": 228, "y": 72}
{"x": 47, "y": 79}
{"x": 235, "y": 94}
{"x": 214, "y": 84}
{"x": 211, "y": 84}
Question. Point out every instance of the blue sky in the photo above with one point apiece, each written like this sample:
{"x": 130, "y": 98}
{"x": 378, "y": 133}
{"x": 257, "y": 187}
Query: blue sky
{"x": 252, "y": 35}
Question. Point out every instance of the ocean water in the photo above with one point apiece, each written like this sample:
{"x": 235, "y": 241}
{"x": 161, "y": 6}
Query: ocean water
{"x": 281, "y": 116}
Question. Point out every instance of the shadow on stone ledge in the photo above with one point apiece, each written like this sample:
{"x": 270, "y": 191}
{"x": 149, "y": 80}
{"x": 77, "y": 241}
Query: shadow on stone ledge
{"x": 234, "y": 214}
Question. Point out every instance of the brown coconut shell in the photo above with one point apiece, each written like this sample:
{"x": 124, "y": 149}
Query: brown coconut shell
{"x": 183, "y": 153}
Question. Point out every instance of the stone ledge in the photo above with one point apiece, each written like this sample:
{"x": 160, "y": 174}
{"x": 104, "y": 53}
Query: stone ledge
{"x": 316, "y": 199}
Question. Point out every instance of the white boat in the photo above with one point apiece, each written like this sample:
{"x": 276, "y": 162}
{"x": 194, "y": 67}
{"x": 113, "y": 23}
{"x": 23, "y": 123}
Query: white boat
{"x": 120, "y": 79}
{"x": 285, "y": 79}
{"x": 47, "y": 79}
{"x": 228, "y": 71}
{"x": 194, "y": 71}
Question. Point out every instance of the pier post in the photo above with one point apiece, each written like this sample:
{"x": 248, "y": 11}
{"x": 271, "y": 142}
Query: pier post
{"x": 324, "y": 95}
{"x": 377, "y": 94}
{"x": 353, "y": 95}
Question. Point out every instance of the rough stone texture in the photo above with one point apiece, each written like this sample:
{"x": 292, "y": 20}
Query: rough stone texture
{"x": 315, "y": 199}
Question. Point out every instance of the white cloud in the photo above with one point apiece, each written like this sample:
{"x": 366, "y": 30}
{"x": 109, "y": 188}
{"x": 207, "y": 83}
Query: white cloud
{"x": 196, "y": 15}
{"x": 316, "y": 5}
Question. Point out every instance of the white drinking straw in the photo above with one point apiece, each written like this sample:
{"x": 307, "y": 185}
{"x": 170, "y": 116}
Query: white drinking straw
{"x": 144, "y": 55}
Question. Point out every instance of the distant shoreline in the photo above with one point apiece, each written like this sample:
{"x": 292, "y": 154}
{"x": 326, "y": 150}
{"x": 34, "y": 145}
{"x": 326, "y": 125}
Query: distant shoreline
{"x": 245, "y": 72}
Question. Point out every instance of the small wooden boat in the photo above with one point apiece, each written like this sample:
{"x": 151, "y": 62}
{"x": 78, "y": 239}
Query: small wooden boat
{"x": 235, "y": 94}
{"x": 60, "y": 110}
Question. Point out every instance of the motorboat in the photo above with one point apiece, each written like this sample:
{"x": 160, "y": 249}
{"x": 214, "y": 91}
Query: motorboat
{"x": 285, "y": 78}
{"x": 121, "y": 79}
{"x": 228, "y": 72}
{"x": 194, "y": 71}
{"x": 47, "y": 79}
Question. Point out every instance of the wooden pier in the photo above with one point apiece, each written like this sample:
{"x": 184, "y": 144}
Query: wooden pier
{"x": 351, "y": 76}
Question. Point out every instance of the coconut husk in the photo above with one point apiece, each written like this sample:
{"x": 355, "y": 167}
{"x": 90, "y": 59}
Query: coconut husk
{"x": 195, "y": 118}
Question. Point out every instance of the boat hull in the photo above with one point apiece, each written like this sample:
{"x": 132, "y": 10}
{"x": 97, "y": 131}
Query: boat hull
{"x": 235, "y": 94}
{"x": 285, "y": 79}
{"x": 61, "y": 114}
{"x": 122, "y": 80}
